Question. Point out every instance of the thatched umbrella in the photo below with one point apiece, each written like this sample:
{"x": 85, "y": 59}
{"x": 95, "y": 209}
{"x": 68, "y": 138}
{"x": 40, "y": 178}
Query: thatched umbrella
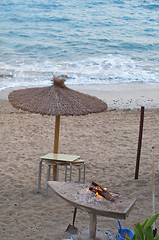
{"x": 57, "y": 100}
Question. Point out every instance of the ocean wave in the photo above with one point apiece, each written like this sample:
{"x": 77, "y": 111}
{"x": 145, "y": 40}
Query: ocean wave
{"x": 105, "y": 70}
{"x": 151, "y": 6}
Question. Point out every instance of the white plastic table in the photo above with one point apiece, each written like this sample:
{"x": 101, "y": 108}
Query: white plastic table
{"x": 57, "y": 159}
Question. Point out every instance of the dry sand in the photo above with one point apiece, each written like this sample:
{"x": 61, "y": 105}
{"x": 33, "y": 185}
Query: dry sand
{"x": 107, "y": 141}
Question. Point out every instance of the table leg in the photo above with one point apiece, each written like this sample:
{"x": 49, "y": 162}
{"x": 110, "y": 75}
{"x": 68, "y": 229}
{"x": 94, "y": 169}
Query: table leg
{"x": 79, "y": 176}
{"x": 66, "y": 173}
{"x": 39, "y": 177}
{"x": 48, "y": 177}
{"x": 84, "y": 172}
{"x": 70, "y": 172}
{"x": 92, "y": 226}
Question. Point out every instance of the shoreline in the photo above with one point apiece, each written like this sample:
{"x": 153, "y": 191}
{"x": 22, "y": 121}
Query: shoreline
{"x": 117, "y": 96}
{"x": 124, "y": 95}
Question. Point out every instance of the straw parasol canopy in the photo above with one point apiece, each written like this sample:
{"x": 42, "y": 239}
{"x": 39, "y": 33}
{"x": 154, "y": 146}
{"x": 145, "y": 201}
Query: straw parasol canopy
{"x": 57, "y": 100}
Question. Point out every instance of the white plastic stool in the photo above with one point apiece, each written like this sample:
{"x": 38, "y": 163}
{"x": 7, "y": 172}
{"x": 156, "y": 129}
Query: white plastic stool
{"x": 78, "y": 163}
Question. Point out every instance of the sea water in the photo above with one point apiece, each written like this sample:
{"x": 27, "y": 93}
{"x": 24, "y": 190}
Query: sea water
{"x": 89, "y": 41}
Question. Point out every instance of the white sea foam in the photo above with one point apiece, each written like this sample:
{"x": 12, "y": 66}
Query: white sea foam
{"x": 104, "y": 70}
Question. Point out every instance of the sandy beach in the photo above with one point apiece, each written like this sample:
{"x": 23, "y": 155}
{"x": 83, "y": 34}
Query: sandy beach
{"x": 107, "y": 141}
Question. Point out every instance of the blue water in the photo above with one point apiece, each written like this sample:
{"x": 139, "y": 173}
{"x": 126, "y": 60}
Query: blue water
{"x": 90, "y": 41}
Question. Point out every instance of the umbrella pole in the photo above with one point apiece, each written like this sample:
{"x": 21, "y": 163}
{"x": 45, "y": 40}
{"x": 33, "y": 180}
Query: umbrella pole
{"x": 56, "y": 144}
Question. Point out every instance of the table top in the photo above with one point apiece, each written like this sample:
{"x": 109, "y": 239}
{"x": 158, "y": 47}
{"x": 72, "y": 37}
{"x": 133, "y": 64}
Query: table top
{"x": 60, "y": 157}
{"x": 79, "y": 196}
